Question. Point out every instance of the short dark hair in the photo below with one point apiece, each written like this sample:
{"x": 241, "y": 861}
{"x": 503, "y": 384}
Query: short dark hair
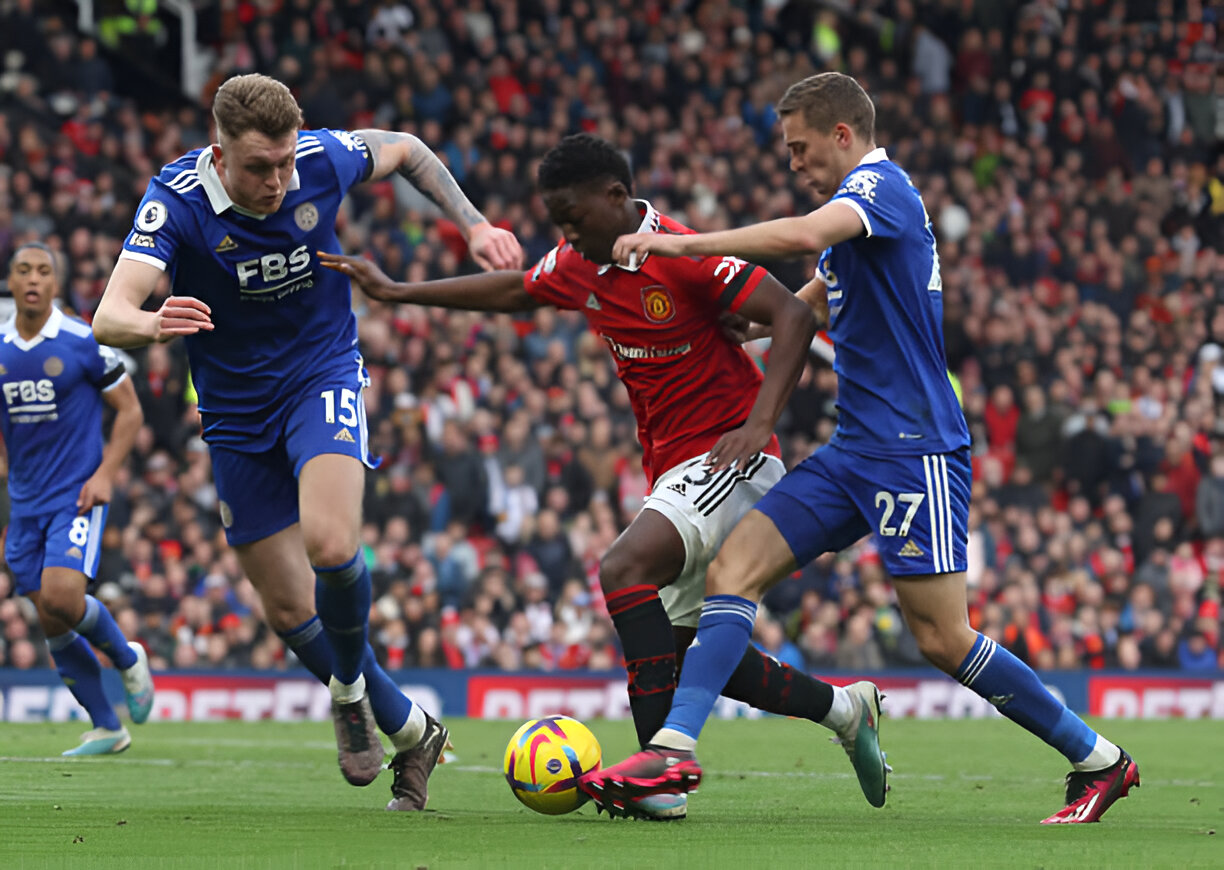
{"x": 828, "y": 99}
{"x": 39, "y": 246}
{"x": 581, "y": 159}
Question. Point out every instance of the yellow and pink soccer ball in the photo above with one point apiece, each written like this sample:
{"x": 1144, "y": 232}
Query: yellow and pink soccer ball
{"x": 544, "y": 760}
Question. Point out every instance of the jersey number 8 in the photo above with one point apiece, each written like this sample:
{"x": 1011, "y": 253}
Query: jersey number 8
{"x": 79, "y": 533}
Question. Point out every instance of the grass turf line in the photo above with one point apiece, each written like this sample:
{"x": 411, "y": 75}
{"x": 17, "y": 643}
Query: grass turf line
{"x": 267, "y": 795}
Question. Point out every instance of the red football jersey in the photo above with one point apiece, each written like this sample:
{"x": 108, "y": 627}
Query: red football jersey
{"x": 687, "y": 382}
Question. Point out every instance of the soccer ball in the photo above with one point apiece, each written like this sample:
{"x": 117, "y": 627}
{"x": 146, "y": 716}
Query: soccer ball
{"x": 544, "y": 760}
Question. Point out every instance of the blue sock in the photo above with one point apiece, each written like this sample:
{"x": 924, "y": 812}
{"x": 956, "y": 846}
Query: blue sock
{"x": 309, "y": 644}
{"x": 722, "y": 636}
{"x": 391, "y": 706}
{"x": 81, "y": 672}
{"x": 1018, "y": 693}
{"x": 344, "y": 596}
{"x": 99, "y": 628}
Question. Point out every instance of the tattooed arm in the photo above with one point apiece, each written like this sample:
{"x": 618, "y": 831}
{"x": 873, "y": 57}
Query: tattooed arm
{"x": 408, "y": 156}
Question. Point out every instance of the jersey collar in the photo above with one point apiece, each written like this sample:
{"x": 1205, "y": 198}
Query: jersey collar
{"x": 211, "y": 182}
{"x": 649, "y": 224}
{"x": 876, "y": 155}
{"x": 50, "y": 329}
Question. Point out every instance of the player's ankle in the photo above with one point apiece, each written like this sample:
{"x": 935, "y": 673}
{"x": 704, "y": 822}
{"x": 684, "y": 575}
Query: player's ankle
{"x": 347, "y": 693}
{"x": 670, "y": 738}
{"x": 841, "y": 711}
{"x": 410, "y": 735}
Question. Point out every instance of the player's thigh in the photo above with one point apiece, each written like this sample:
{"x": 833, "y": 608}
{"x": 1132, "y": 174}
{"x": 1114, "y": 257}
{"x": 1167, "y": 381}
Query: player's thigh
{"x": 24, "y": 548}
{"x": 330, "y": 491}
{"x": 702, "y": 508}
{"x": 326, "y": 439}
{"x": 257, "y": 493}
{"x": 918, "y": 507}
{"x": 650, "y": 551}
{"x": 280, "y": 572}
{"x": 72, "y": 545}
{"x": 807, "y": 513}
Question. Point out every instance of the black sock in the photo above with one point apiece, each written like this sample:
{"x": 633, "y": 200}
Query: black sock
{"x": 650, "y": 655}
{"x": 767, "y": 684}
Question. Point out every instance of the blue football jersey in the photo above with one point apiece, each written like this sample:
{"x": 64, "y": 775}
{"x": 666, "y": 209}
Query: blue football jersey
{"x": 52, "y": 419}
{"x": 886, "y": 321}
{"x": 281, "y": 320}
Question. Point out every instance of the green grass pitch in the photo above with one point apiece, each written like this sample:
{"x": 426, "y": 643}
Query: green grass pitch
{"x": 776, "y": 794}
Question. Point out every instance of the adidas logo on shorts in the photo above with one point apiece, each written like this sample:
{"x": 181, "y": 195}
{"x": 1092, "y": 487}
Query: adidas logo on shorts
{"x": 345, "y": 436}
{"x": 911, "y": 549}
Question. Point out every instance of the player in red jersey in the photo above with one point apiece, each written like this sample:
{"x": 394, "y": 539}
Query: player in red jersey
{"x": 705, "y": 421}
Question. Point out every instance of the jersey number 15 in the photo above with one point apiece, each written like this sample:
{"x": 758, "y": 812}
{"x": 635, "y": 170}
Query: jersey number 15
{"x": 348, "y": 407}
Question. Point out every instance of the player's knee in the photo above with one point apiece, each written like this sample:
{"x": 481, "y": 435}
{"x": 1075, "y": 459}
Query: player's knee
{"x": 943, "y": 647}
{"x": 330, "y": 547}
{"x": 61, "y": 605}
{"x": 617, "y": 570}
{"x": 724, "y": 577}
{"x": 283, "y": 617}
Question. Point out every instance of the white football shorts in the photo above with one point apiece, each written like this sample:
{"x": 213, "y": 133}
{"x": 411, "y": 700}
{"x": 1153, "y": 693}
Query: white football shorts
{"x": 704, "y": 507}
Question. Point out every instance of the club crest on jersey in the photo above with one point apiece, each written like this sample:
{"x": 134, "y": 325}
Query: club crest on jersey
{"x": 306, "y": 216}
{"x": 657, "y": 304}
{"x": 227, "y": 244}
{"x": 53, "y": 366}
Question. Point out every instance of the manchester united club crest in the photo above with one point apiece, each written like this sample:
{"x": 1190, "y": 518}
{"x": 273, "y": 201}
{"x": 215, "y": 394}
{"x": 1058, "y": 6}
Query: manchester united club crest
{"x": 306, "y": 216}
{"x": 657, "y": 304}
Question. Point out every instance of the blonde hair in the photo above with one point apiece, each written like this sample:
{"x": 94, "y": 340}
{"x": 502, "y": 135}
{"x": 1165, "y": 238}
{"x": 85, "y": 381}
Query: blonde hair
{"x": 827, "y": 99}
{"x": 255, "y": 102}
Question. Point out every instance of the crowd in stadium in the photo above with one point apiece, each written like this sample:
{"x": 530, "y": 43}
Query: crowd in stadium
{"x": 1068, "y": 154}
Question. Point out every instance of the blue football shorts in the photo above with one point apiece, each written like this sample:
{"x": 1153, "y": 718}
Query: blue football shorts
{"x": 258, "y": 491}
{"x": 60, "y": 539}
{"x": 916, "y": 508}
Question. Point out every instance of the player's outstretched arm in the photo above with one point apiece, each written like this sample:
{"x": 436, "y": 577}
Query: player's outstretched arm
{"x": 793, "y": 326}
{"x": 777, "y": 239}
{"x": 405, "y": 154}
{"x": 120, "y": 321}
{"x": 489, "y": 291}
{"x": 128, "y": 420}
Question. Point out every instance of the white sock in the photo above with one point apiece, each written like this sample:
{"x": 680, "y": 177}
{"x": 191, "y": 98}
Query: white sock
{"x": 673, "y": 739}
{"x": 410, "y": 735}
{"x": 841, "y": 714}
{"x": 1103, "y": 754}
{"x": 346, "y": 693}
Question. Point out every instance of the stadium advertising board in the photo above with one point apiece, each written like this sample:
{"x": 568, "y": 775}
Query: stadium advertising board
{"x": 217, "y": 696}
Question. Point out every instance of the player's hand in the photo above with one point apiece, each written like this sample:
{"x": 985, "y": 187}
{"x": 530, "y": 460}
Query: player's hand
{"x": 737, "y": 448}
{"x": 494, "y": 248}
{"x": 182, "y": 315}
{"x": 372, "y": 280}
{"x": 739, "y": 329}
{"x": 97, "y": 490}
{"x": 630, "y": 250}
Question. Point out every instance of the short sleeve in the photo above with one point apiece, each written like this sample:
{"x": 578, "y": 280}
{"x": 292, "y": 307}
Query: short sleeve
{"x": 727, "y": 281}
{"x": 348, "y": 152}
{"x": 157, "y": 228}
{"x": 542, "y": 282}
{"x": 103, "y": 366}
{"x": 883, "y": 201}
